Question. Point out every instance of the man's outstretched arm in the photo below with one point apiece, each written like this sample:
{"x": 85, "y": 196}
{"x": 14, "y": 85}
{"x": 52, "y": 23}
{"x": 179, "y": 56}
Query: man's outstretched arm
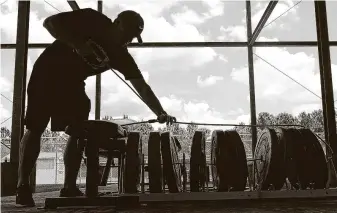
{"x": 145, "y": 91}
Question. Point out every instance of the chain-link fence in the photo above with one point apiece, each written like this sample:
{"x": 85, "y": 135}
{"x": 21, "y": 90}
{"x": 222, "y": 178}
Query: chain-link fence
{"x": 50, "y": 165}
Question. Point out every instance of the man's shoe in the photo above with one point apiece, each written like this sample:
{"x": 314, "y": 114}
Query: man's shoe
{"x": 24, "y": 196}
{"x": 71, "y": 192}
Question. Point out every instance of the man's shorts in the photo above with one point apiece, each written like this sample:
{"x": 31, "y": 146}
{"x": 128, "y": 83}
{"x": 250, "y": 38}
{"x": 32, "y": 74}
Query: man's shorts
{"x": 62, "y": 102}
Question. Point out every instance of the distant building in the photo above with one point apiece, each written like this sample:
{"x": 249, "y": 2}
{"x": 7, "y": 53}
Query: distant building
{"x": 46, "y": 167}
{"x": 124, "y": 120}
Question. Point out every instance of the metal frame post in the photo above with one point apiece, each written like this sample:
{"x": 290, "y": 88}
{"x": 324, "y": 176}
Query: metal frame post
{"x": 326, "y": 80}
{"x": 19, "y": 91}
{"x": 98, "y": 78}
{"x": 251, "y": 76}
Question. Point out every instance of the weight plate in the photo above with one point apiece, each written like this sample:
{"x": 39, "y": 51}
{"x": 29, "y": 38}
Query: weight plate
{"x": 317, "y": 166}
{"x": 223, "y": 157}
{"x": 198, "y": 162}
{"x": 269, "y": 161}
{"x": 217, "y": 138}
{"x": 297, "y": 159}
{"x": 132, "y": 173}
{"x": 171, "y": 163}
{"x": 155, "y": 171}
{"x": 241, "y": 170}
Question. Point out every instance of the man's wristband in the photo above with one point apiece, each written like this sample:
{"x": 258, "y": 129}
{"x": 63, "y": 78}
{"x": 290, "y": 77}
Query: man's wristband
{"x": 162, "y": 112}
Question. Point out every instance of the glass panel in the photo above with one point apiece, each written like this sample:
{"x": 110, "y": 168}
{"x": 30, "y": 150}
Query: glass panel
{"x": 9, "y": 17}
{"x": 288, "y": 93}
{"x": 6, "y": 101}
{"x": 192, "y": 84}
{"x": 294, "y": 21}
{"x": 53, "y": 143}
{"x": 182, "y": 21}
{"x": 39, "y": 11}
{"x": 333, "y": 52}
{"x": 331, "y": 7}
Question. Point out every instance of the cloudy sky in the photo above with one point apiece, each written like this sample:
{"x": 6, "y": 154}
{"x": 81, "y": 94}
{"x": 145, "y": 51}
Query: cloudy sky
{"x": 195, "y": 84}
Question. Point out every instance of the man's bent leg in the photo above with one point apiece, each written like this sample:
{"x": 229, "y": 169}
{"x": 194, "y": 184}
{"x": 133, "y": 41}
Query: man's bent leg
{"x": 37, "y": 118}
{"x": 72, "y": 162}
{"x": 78, "y": 111}
{"x": 29, "y": 152}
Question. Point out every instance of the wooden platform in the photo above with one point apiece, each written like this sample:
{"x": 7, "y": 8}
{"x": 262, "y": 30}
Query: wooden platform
{"x": 254, "y": 206}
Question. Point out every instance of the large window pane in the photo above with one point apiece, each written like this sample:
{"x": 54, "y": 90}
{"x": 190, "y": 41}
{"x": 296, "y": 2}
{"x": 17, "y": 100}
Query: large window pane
{"x": 8, "y": 23}
{"x": 193, "y": 84}
{"x": 6, "y": 100}
{"x": 39, "y": 11}
{"x": 331, "y": 7}
{"x": 175, "y": 21}
{"x": 294, "y": 21}
{"x": 50, "y": 165}
{"x": 333, "y": 52}
{"x": 288, "y": 88}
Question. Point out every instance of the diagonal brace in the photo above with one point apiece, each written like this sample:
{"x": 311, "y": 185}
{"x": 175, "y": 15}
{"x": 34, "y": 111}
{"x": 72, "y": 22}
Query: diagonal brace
{"x": 73, "y": 4}
{"x": 262, "y": 22}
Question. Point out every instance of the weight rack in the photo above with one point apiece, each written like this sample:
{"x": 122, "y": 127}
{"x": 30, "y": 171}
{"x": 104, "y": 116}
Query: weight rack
{"x": 123, "y": 199}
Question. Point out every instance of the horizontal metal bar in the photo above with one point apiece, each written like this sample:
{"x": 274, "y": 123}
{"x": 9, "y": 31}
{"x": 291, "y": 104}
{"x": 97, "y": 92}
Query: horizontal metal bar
{"x": 194, "y": 44}
{"x": 203, "y": 196}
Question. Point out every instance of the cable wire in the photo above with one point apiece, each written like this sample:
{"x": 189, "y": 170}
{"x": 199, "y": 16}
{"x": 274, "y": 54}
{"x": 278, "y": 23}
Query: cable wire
{"x": 52, "y": 6}
{"x": 6, "y": 98}
{"x": 282, "y": 14}
{"x": 289, "y": 77}
{"x": 5, "y": 145}
{"x": 3, "y": 3}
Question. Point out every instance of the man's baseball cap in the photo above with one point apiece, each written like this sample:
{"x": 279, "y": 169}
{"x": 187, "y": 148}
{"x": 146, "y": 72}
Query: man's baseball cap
{"x": 134, "y": 23}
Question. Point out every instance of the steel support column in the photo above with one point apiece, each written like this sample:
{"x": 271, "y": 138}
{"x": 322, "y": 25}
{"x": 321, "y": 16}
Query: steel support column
{"x": 326, "y": 79}
{"x": 251, "y": 76}
{"x": 262, "y": 22}
{"x": 20, "y": 75}
{"x": 98, "y": 79}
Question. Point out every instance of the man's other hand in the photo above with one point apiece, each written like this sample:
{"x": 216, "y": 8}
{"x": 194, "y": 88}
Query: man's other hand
{"x": 165, "y": 118}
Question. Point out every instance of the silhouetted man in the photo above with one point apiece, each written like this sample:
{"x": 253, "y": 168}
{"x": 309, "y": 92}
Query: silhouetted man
{"x": 56, "y": 88}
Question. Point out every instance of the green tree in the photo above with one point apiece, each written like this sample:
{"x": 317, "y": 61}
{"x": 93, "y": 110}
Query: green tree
{"x": 284, "y": 118}
{"x": 317, "y": 121}
{"x": 265, "y": 118}
{"x": 305, "y": 119}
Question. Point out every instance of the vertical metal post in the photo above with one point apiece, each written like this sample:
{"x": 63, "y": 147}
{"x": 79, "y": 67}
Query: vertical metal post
{"x": 19, "y": 91}
{"x": 251, "y": 76}
{"x": 326, "y": 80}
{"x": 98, "y": 79}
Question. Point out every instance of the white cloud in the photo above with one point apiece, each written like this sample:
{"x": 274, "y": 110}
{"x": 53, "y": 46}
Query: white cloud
{"x": 233, "y": 33}
{"x": 199, "y": 112}
{"x": 279, "y": 9}
{"x": 4, "y": 113}
{"x": 223, "y": 58}
{"x": 5, "y": 85}
{"x": 216, "y": 7}
{"x": 267, "y": 39}
{"x": 306, "y": 108}
{"x": 209, "y": 81}
{"x": 272, "y": 86}
{"x": 188, "y": 17}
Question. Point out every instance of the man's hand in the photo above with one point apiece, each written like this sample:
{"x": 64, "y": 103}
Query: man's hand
{"x": 165, "y": 118}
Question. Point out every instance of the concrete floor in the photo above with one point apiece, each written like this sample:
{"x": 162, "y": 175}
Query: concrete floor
{"x": 305, "y": 206}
